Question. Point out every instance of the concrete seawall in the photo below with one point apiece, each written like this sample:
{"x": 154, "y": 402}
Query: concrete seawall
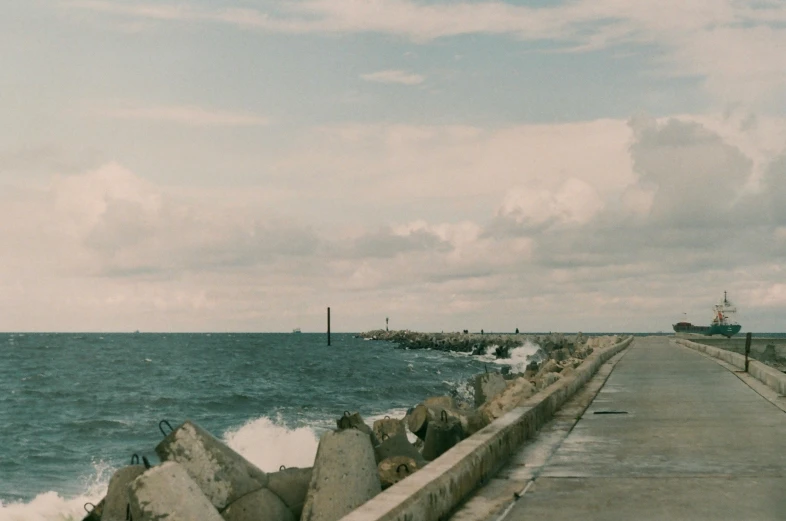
{"x": 771, "y": 377}
{"x": 438, "y": 488}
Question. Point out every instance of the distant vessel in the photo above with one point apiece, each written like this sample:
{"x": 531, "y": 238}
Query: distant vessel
{"x": 297, "y": 330}
{"x": 723, "y": 321}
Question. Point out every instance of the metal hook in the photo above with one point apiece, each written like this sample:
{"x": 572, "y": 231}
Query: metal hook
{"x": 346, "y": 413}
{"x": 387, "y": 417}
{"x": 92, "y": 507}
{"x": 444, "y": 415}
{"x": 162, "y": 429}
{"x": 146, "y": 462}
{"x": 135, "y": 459}
{"x": 398, "y": 469}
{"x": 282, "y": 467}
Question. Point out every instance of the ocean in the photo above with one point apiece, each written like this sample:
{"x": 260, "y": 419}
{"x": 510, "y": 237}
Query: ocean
{"x": 75, "y": 407}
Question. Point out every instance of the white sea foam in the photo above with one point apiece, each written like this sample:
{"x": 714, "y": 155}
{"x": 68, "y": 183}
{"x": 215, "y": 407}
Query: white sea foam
{"x": 268, "y": 444}
{"x": 51, "y": 506}
{"x": 519, "y": 356}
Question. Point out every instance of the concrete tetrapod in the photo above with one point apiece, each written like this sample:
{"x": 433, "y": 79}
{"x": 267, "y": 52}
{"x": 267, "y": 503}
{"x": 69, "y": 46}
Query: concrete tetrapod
{"x": 419, "y": 418}
{"x": 168, "y": 492}
{"x": 116, "y": 501}
{"x": 487, "y": 386}
{"x": 261, "y": 505}
{"x": 442, "y": 435}
{"x": 355, "y": 421}
{"x": 344, "y": 476}
{"x": 94, "y": 513}
{"x": 398, "y": 445}
{"x": 291, "y": 485}
{"x": 394, "y": 469}
{"x": 221, "y": 473}
{"x": 388, "y": 427}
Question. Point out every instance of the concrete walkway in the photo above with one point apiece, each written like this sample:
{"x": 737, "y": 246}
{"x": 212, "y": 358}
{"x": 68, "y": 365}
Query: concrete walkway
{"x": 672, "y": 435}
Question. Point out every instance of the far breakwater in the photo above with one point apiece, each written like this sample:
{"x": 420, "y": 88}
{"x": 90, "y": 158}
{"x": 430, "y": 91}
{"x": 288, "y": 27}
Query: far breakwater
{"x": 553, "y": 345}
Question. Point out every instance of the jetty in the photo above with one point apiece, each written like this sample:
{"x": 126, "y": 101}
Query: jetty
{"x": 595, "y": 428}
{"x": 673, "y": 433}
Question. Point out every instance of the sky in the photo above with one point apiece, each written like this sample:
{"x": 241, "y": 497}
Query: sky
{"x": 195, "y": 165}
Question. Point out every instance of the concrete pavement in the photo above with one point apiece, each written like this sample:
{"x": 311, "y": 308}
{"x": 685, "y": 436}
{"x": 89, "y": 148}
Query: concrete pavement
{"x": 671, "y": 435}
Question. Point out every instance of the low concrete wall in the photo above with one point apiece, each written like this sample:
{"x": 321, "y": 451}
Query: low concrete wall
{"x": 440, "y": 486}
{"x": 769, "y": 376}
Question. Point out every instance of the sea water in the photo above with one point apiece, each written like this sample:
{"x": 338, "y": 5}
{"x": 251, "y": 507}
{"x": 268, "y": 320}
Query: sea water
{"x": 75, "y": 407}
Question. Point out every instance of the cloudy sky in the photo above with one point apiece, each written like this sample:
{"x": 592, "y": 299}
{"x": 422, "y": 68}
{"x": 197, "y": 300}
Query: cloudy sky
{"x": 208, "y": 165}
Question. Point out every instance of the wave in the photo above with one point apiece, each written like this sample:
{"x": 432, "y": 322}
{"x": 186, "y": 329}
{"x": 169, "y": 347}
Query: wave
{"x": 51, "y": 506}
{"x": 265, "y": 442}
{"x": 268, "y": 444}
{"x": 519, "y": 356}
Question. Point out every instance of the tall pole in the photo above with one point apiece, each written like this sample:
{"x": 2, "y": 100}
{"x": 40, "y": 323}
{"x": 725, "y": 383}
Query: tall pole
{"x": 747, "y": 349}
{"x": 328, "y": 325}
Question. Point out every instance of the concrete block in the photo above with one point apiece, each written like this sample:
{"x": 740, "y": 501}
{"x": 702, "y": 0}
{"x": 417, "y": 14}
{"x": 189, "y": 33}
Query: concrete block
{"x": 344, "y": 476}
{"x": 291, "y": 485}
{"x": 487, "y": 386}
{"x": 116, "y": 501}
{"x": 167, "y": 492}
{"x": 261, "y": 505}
{"x": 221, "y": 473}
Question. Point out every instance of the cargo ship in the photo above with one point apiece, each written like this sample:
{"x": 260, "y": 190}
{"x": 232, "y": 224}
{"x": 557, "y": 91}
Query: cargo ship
{"x": 723, "y": 321}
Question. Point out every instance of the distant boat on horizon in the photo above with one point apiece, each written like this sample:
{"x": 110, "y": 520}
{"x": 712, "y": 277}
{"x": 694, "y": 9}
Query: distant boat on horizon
{"x": 296, "y": 330}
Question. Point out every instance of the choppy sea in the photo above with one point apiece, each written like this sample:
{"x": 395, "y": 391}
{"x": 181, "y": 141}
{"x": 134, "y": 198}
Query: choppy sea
{"x": 75, "y": 407}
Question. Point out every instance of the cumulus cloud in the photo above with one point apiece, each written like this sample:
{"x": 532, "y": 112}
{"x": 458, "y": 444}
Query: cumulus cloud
{"x": 394, "y": 76}
{"x": 605, "y": 224}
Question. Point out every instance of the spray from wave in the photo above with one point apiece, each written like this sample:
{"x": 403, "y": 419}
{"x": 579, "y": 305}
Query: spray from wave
{"x": 519, "y": 358}
{"x": 268, "y": 444}
{"x": 50, "y": 506}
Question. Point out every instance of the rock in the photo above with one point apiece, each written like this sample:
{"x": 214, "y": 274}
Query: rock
{"x": 547, "y": 379}
{"x": 394, "y": 469}
{"x": 262, "y": 504}
{"x": 116, "y": 501}
{"x": 166, "y": 491}
{"x": 221, "y": 473}
{"x": 510, "y": 398}
{"x": 769, "y": 354}
{"x": 291, "y": 485}
{"x": 549, "y": 366}
{"x": 344, "y": 477}
{"x": 487, "y": 386}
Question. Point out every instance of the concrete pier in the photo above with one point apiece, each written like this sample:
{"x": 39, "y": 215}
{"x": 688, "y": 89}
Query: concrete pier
{"x": 672, "y": 435}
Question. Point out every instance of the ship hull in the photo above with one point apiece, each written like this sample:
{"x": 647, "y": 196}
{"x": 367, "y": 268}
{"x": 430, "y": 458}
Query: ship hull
{"x": 727, "y": 330}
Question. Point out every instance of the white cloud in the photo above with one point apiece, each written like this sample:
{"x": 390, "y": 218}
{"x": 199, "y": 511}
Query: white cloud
{"x": 402, "y": 221}
{"x": 180, "y": 114}
{"x": 574, "y": 202}
{"x": 394, "y": 76}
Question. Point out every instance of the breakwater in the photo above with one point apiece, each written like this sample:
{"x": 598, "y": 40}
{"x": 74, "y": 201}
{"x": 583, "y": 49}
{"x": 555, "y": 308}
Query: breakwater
{"x": 198, "y": 469}
{"x": 480, "y": 343}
